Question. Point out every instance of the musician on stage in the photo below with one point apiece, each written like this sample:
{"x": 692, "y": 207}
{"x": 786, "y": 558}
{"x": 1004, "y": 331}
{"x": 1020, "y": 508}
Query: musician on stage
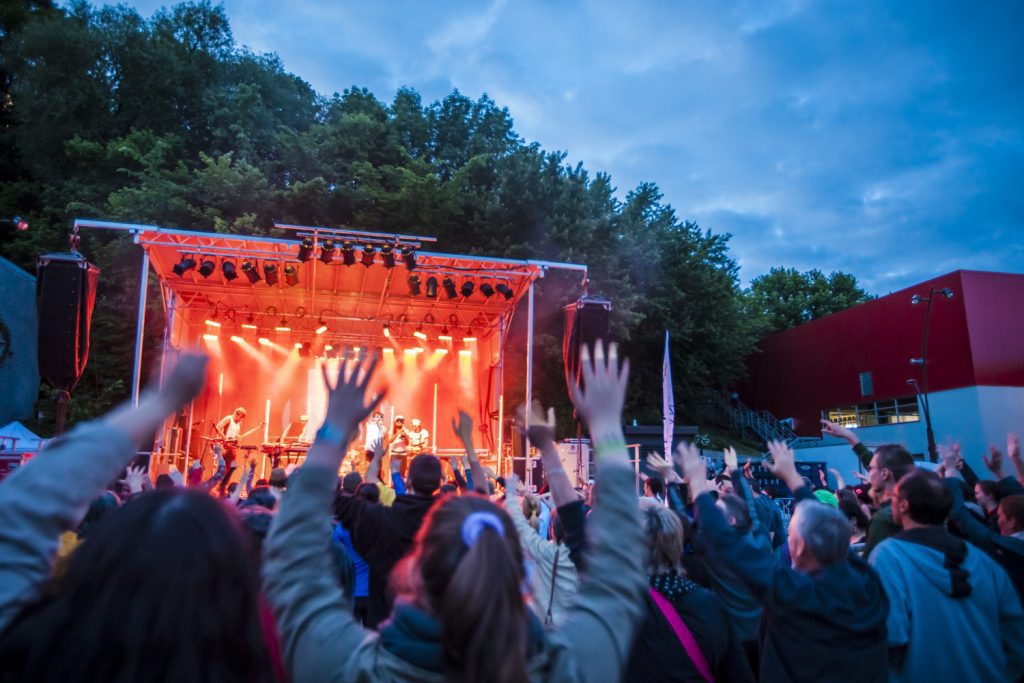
{"x": 375, "y": 430}
{"x": 398, "y": 441}
{"x": 230, "y": 429}
{"x": 419, "y": 438}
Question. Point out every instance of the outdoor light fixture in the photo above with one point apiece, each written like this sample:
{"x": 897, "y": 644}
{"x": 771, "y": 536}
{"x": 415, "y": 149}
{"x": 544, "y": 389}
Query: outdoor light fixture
{"x": 368, "y": 251}
{"x": 270, "y": 273}
{"x": 348, "y": 253}
{"x": 327, "y": 252}
{"x": 186, "y": 264}
{"x": 414, "y": 284}
{"x": 306, "y": 249}
{"x": 283, "y": 326}
{"x": 922, "y": 391}
{"x": 322, "y": 326}
{"x": 249, "y": 268}
{"x": 449, "y": 287}
{"x": 207, "y": 267}
{"x": 263, "y": 341}
{"x": 235, "y": 338}
{"x": 228, "y": 269}
{"x": 445, "y": 336}
{"x": 467, "y": 288}
{"x": 250, "y": 323}
{"x": 387, "y": 330}
{"x": 431, "y": 287}
{"x": 505, "y": 291}
{"x": 387, "y": 256}
{"x": 420, "y": 334}
{"x": 291, "y": 275}
{"x": 487, "y": 290}
{"x": 409, "y": 256}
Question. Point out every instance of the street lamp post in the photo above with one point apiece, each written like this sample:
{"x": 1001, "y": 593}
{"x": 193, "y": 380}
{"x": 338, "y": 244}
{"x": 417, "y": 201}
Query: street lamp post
{"x": 922, "y": 391}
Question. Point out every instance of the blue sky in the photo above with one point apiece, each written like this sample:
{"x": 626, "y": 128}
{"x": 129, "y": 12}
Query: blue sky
{"x": 884, "y": 139}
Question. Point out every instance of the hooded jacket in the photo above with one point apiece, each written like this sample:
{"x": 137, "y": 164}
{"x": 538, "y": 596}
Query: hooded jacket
{"x": 828, "y": 625}
{"x": 954, "y": 614}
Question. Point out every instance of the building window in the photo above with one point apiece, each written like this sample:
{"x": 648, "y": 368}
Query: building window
{"x": 867, "y": 384}
{"x": 893, "y": 411}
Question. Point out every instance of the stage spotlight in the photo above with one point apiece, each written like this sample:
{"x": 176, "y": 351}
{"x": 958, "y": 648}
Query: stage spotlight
{"x": 235, "y": 338}
{"x": 211, "y": 337}
{"x": 270, "y": 273}
{"x": 249, "y": 268}
{"x": 487, "y": 290}
{"x": 449, "y": 287}
{"x": 327, "y": 251}
{"x": 409, "y": 256}
{"x": 322, "y": 327}
{"x": 414, "y": 285}
{"x": 387, "y": 256}
{"x": 387, "y": 330}
{"x": 186, "y": 264}
{"x": 467, "y": 288}
{"x": 445, "y": 336}
{"x": 291, "y": 275}
{"x": 212, "y": 321}
{"x": 505, "y": 291}
{"x": 420, "y": 334}
{"x": 264, "y": 341}
{"x": 431, "y": 287}
{"x": 368, "y": 251}
{"x": 228, "y": 269}
{"x": 207, "y": 267}
{"x": 283, "y": 326}
{"x": 348, "y": 253}
{"x": 306, "y": 249}
{"x": 250, "y": 323}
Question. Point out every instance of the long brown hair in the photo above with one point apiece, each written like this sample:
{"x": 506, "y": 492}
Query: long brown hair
{"x": 476, "y": 592}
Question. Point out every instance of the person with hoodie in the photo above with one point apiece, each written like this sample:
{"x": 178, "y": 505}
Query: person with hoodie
{"x": 954, "y": 614}
{"x": 462, "y": 615}
{"x": 825, "y": 616}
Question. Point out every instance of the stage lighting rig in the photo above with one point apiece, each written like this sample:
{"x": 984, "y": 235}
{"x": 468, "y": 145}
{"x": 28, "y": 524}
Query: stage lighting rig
{"x": 291, "y": 275}
{"x": 207, "y": 266}
{"x": 306, "y": 249}
{"x": 420, "y": 334}
{"x": 327, "y": 252}
{"x": 467, "y": 288}
{"x": 387, "y": 256}
{"x": 505, "y": 291}
{"x": 449, "y": 287}
{"x": 251, "y": 272}
{"x": 250, "y": 323}
{"x": 387, "y": 330}
{"x": 414, "y": 285}
{"x": 321, "y": 326}
{"x": 270, "y": 273}
{"x": 186, "y": 264}
{"x": 368, "y": 252}
{"x": 487, "y": 290}
{"x": 409, "y": 256}
{"x": 228, "y": 269}
{"x": 348, "y": 253}
{"x": 431, "y": 287}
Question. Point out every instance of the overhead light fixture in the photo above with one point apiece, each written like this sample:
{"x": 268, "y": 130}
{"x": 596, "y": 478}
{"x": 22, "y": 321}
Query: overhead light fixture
{"x": 298, "y": 345}
{"x": 469, "y": 338}
{"x": 388, "y": 349}
{"x": 264, "y": 341}
{"x": 207, "y": 267}
{"x": 487, "y": 289}
{"x": 211, "y": 337}
{"x": 212, "y": 321}
{"x": 420, "y": 334}
{"x": 322, "y": 326}
{"x": 291, "y": 275}
{"x": 186, "y": 264}
{"x": 270, "y": 273}
{"x": 235, "y": 338}
{"x": 467, "y": 288}
{"x": 387, "y": 256}
{"x": 387, "y": 330}
{"x": 449, "y": 287}
{"x": 504, "y": 290}
{"x": 283, "y": 326}
{"x": 465, "y": 352}
{"x": 227, "y": 268}
{"x": 306, "y": 249}
{"x": 368, "y": 252}
{"x": 327, "y": 251}
{"x": 409, "y": 256}
{"x": 414, "y": 285}
{"x": 431, "y": 287}
{"x": 348, "y": 253}
{"x": 249, "y": 268}
{"x": 445, "y": 336}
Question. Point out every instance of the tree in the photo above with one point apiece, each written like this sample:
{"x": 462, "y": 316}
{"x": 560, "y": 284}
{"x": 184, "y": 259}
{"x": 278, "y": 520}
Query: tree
{"x": 785, "y": 297}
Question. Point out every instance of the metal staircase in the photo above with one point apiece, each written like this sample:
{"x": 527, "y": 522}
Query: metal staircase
{"x": 760, "y": 424}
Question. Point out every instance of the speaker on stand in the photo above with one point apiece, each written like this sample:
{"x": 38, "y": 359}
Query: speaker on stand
{"x": 586, "y": 323}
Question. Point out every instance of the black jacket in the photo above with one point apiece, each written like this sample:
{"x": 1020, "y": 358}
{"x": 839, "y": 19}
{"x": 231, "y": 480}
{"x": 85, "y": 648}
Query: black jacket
{"x": 382, "y": 536}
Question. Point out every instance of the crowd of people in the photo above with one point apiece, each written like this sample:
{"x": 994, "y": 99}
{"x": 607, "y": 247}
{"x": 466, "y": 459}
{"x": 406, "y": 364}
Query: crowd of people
{"x": 449, "y": 573}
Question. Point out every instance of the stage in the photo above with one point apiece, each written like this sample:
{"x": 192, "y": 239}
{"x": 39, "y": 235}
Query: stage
{"x": 272, "y": 312}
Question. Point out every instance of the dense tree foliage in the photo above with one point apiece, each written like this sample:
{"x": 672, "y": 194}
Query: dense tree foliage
{"x": 165, "y": 120}
{"x": 785, "y": 297}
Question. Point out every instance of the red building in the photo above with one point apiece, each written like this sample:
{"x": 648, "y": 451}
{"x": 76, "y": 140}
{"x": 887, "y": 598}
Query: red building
{"x": 854, "y": 366}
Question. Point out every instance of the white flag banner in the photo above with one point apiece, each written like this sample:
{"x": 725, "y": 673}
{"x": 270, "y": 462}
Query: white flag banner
{"x": 668, "y": 401}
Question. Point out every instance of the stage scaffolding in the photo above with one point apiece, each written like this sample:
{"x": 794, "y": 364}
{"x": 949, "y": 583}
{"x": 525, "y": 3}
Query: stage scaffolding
{"x": 355, "y": 302}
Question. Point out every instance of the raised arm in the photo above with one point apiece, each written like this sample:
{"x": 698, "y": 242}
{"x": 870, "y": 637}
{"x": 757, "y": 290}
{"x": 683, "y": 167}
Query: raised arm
{"x": 309, "y": 605}
{"x": 464, "y": 430}
{"x": 51, "y": 494}
{"x": 373, "y": 469}
{"x": 542, "y": 435}
{"x": 863, "y": 453}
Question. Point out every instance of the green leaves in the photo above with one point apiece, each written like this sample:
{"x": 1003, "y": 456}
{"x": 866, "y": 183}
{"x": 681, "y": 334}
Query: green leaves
{"x": 785, "y": 297}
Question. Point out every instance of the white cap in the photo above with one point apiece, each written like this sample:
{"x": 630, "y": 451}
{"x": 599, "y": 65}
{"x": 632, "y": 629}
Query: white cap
{"x": 399, "y": 417}
{"x": 415, "y": 422}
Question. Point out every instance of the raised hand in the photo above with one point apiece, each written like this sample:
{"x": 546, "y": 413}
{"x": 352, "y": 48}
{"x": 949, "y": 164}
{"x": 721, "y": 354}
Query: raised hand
{"x": 784, "y": 465}
{"x": 949, "y": 453}
{"x": 1013, "y": 448}
{"x": 748, "y": 469}
{"x": 840, "y": 482}
{"x": 601, "y": 397}
{"x": 994, "y": 462}
{"x": 542, "y": 426}
{"x": 731, "y": 460}
{"x": 185, "y": 380}
{"x": 663, "y": 466}
{"x": 694, "y": 469}
{"x": 347, "y": 403}
{"x": 464, "y": 428}
{"x": 177, "y": 477}
{"x": 837, "y": 430}
{"x": 134, "y": 478}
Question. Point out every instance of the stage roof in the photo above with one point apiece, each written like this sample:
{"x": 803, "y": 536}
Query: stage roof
{"x": 354, "y": 301}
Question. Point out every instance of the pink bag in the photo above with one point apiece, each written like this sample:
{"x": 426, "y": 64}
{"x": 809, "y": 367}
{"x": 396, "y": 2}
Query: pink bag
{"x": 684, "y": 635}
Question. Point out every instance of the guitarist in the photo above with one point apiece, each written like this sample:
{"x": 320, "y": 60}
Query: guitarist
{"x": 230, "y": 429}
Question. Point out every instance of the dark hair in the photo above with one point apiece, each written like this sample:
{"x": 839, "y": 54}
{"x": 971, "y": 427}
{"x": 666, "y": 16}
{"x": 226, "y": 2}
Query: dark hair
{"x": 556, "y": 528}
{"x": 447, "y": 489}
{"x": 656, "y": 485}
{"x": 928, "y": 501}
{"x": 739, "y": 511}
{"x": 168, "y": 563}
{"x": 443, "y": 574}
{"x": 1013, "y": 507}
{"x": 990, "y": 488}
{"x": 99, "y": 509}
{"x": 896, "y": 459}
{"x": 425, "y": 474}
{"x": 256, "y": 520}
{"x": 164, "y": 481}
{"x": 368, "y": 492}
{"x": 260, "y": 496}
{"x": 351, "y": 482}
{"x": 849, "y": 505}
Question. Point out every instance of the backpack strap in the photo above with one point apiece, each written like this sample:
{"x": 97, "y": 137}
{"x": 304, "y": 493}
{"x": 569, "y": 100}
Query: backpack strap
{"x": 551, "y": 599}
{"x": 683, "y": 633}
